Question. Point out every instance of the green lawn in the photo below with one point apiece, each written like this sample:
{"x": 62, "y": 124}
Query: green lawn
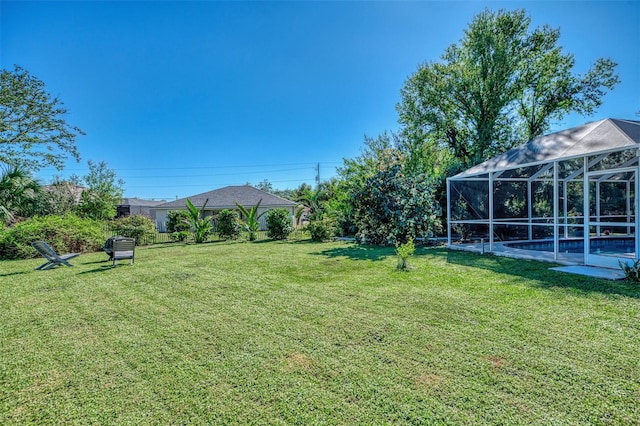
{"x": 305, "y": 333}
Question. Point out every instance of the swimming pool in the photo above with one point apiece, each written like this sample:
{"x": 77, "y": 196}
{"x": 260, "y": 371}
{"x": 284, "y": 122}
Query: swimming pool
{"x": 604, "y": 245}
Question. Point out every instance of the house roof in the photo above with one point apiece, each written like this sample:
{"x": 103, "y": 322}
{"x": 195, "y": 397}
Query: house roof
{"x": 599, "y": 136}
{"x": 227, "y": 197}
{"x": 140, "y": 202}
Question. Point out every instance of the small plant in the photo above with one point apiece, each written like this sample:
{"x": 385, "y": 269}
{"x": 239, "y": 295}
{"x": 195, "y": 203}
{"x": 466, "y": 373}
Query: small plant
{"x": 228, "y": 227}
{"x": 251, "y": 220}
{"x": 180, "y": 236}
{"x": 404, "y": 252}
{"x": 321, "y": 230}
{"x": 279, "y": 224}
{"x": 631, "y": 271}
{"x": 200, "y": 226}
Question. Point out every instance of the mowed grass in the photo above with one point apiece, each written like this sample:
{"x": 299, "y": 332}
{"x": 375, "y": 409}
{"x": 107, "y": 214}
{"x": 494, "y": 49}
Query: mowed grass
{"x": 306, "y": 333}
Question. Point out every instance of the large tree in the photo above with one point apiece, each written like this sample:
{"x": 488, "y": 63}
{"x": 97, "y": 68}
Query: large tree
{"x": 501, "y": 85}
{"x": 33, "y": 130}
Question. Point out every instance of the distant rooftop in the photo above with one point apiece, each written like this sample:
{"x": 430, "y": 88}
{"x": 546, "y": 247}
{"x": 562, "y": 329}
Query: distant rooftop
{"x": 227, "y": 197}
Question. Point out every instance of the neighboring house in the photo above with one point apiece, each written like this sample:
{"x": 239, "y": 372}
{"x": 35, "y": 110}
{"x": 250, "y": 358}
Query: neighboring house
{"x": 133, "y": 206}
{"x": 225, "y": 198}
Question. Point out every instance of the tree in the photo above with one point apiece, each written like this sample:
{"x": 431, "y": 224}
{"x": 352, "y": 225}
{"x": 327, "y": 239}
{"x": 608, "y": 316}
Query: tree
{"x": 251, "y": 219}
{"x": 19, "y": 194}
{"x": 393, "y": 207}
{"x": 501, "y": 85}
{"x": 265, "y": 186}
{"x": 102, "y": 194}
{"x": 33, "y": 131}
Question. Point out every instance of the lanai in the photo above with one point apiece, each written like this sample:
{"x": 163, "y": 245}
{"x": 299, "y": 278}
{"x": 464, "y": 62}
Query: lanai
{"x": 532, "y": 199}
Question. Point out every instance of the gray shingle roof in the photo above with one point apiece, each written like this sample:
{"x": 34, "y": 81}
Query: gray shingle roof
{"x": 591, "y": 138}
{"x": 227, "y": 197}
{"x": 140, "y": 202}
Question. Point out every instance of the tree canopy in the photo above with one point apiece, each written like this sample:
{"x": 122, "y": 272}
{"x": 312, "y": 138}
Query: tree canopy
{"x": 501, "y": 85}
{"x": 33, "y": 130}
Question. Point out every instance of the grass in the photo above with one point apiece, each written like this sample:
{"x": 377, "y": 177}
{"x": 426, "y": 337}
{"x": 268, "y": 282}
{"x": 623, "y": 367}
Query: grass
{"x": 305, "y": 333}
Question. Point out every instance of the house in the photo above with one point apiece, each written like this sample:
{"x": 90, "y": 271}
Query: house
{"x": 225, "y": 198}
{"x": 133, "y": 206}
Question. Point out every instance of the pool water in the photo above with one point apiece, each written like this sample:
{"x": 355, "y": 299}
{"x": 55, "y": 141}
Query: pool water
{"x": 602, "y": 245}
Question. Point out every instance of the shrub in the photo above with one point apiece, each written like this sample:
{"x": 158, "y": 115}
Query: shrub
{"x": 631, "y": 272}
{"x": 65, "y": 234}
{"x": 321, "y": 230}
{"x": 404, "y": 252}
{"x": 279, "y": 224}
{"x": 139, "y": 227}
{"x": 228, "y": 225}
{"x": 180, "y": 236}
{"x": 178, "y": 221}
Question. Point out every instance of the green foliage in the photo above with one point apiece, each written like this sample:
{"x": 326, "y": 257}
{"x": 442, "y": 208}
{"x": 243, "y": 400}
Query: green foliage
{"x": 228, "y": 225}
{"x": 251, "y": 219}
{"x": 631, "y": 271}
{"x": 500, "y": 86}
{"x": 321, "y": 229}
{"x": 201, "y": 227}
{"x": 59, "y": 198}
{"x": 19, "y": 194}
{"x": 33, "y": 133}
{"x": 404, "y": 252}
{"x": 279, "y": 224}
{"x": 178, "y": 221}
{"x": 102, "y": 194}
{"x": 393, "y": 207}
{"x": 180, "y": 236}
{"x": 139, "y": 227}
{"x": 65, "y": 234}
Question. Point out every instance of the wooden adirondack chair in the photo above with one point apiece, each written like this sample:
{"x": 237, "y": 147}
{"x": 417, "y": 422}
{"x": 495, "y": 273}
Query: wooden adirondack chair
{"x": 53, "y": 259}
{"x": 123, "y": 248}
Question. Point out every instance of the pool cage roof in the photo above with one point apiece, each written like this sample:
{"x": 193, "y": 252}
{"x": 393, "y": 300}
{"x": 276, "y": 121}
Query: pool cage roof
{"x": 578, "y": 183}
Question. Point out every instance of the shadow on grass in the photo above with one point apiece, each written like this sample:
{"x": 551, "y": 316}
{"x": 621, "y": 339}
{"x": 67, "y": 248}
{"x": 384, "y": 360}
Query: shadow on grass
{"x": 9, "y": 274}
{"x": 539, "y": 273}
{"x": 358, "y": 252}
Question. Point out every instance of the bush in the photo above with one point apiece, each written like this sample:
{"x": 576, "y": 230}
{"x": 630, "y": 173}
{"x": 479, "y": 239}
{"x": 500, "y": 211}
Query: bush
{"x": 228, "y": 225}
{"x": 65, "y": 234}
{"x": 321, "y": 230}
{"x": 180, "y": 236}
{"x": 404, "y": 251}
{"x": 632, "y": 271}
{"x": 139, "y": 227}
{"x": 178, "y": 221}
{"x": 279, "y": 224}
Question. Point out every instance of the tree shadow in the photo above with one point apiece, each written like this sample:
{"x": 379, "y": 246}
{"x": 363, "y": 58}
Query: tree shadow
{"x": 539, "y": 273}
{"x": 358, "y": 252}
{"x": 9, "y": 274}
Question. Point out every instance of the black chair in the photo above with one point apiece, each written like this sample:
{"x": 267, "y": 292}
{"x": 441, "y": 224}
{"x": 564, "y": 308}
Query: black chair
{"x": 123, "y": 248}
{"x": 53, "y": 259}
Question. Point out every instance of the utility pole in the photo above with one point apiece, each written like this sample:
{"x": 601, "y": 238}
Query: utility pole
{"x": 318, "y": 175}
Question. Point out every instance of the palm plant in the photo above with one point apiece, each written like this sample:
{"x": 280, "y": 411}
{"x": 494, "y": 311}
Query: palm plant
{"x": 201, "y": 226}
{"x": 251, "y": 219}
{"x": 18, "y": 193}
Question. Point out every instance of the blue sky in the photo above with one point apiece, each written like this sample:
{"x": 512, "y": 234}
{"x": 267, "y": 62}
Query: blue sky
{"x": 184, "y": 97}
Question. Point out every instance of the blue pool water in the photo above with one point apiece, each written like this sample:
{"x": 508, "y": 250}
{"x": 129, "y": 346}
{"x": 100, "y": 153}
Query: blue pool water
{"x": 597, "y": 245}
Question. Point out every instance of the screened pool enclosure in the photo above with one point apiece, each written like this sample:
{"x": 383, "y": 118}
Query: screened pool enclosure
{"x": 569, "y": 196}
